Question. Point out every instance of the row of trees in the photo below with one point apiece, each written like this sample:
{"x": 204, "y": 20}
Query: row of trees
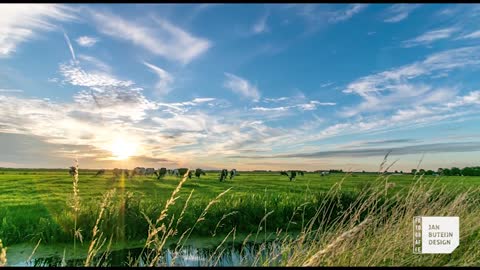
{"x": 467, "y": 171}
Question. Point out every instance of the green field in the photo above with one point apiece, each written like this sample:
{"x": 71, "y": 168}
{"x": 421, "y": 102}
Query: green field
{"x": 34, "y": 204}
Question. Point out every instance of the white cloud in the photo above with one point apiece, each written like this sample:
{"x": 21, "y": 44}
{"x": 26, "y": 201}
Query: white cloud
{"x": 399, "y": 12}
{"x": 75, "y": 75}
{"x": 10, "y": 90}
{"x": 472, "y": 35}
{"x": 163, "y": 86}
{"x": 201, "y": 100}
{"x": 22, "y": 22}
{"x": 430, "y": 37}
{"x": 241, "y": 86}
{"x": 312, "y": 105}
{"x": 98, "y": 64}
{"x": 261, "y": 25}
{"x": 86, "y": 41}
{"x": 163, "y": 38}
{"x": 70, "y": 47}
{"x": 326, "y": 84}
{"x": 346, "y": 14}
{"x": 394, "y": 87}
{"x": 470, "y": 99}
{"x": 182, "y": 107}
{"x": 275, "y": 99}
{"x": 264, "y": 109}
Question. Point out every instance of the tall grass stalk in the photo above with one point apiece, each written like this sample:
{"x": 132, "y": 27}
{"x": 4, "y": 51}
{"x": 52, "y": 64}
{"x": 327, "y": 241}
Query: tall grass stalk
{"x": 154, "y": 229}
{"x": 3, "y": 254}
{"x": 97, "y": 235}
{"x": 76, "y": 208}
{"x": 34, "y": 250}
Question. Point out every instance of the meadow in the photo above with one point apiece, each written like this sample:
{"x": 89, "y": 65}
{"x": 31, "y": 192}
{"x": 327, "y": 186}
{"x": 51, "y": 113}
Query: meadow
{"x": 36, "y": 205}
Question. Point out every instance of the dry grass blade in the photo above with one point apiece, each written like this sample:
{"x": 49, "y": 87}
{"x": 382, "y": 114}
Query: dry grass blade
{"x": 94, "y": 247}
{"x": 204, "y": 213}
{"x": 223, "y": 217}
{"x": 34, "y": 250}
{"x": 3, "y": 254}
{"x": 313, "y": 260}
{"x": 221, "y": 244}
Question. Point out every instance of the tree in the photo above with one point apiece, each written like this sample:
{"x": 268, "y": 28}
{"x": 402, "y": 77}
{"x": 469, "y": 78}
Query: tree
{"x": 446, "y": 172}
{"x": 429, "y": 172}
{"x": 421, "y": 171}
{"x": 455, "y": 171}
{"x": 414, "y": 171}
{"x": 396, "y": 171}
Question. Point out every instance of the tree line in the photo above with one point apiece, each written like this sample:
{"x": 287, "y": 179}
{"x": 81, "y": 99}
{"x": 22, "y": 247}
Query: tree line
{"x": 454, "y": 171}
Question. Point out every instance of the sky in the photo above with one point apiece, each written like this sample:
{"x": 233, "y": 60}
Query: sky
{"x": 245, "y": 86}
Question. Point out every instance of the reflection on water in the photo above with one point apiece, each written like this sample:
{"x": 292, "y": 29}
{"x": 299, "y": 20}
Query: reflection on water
{"x": 190, "y": 256}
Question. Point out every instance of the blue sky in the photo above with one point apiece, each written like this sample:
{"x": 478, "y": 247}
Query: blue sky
{"x": 250, "y": 86}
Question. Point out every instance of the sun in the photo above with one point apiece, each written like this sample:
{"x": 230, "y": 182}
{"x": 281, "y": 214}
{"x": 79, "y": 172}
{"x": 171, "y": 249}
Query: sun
{"x": 122, "y": 148}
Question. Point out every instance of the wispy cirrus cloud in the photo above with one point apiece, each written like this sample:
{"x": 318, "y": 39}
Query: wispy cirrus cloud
{"x": 23, "y": 22}
{"x": 346, "y": 14}
{"x": 430, "y": 37}
{"x": 261, "y": 25}
{"x": 4, "y": 90}
{"x": 165, "y": 79}
{"x": 399, "y": 86}
{"x": 399, "y": 12}
{"x": 70, "y": 47}
{"x": 160, "y": 38}
{"x": 241, "y": 87}
{"x": 472, "y": 35}
{"x": 87, "y": 41}
{"x": 96, "y": 63}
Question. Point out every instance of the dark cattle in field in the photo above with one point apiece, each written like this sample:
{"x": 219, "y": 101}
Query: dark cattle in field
{"x": 223, "y": 175}
{"x": 233, "y": 173}
{"x": 199, "y": 172}
{"x": 118, "y": 172}
{"x": 293, "y": 175}
{"x": 149, "y": 171}
{"x": 138, "y": 171}
{"x": 181, "y": 171}
{"x": 301, "y": 173}
{"x": 161, "y": 173}
{"x": 100, "y": 172}
{"x": 72, "y": 171}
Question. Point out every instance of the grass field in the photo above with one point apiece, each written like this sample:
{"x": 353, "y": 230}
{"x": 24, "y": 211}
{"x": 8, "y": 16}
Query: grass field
{"x": 34, "y": 204}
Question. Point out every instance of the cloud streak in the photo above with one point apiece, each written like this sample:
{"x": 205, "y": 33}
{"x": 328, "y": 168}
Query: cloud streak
{"x": 161, "y": 38}
{"x": 241, "y": 87}
{"x": 20, "y": 23}
{"x": 430, "y": 37}
{"x": 399, "y": 12}
{"x": 165, "y": 79}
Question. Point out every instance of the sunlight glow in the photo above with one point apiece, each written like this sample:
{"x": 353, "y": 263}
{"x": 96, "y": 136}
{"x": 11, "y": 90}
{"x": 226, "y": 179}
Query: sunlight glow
{"x": 122, "y": 148}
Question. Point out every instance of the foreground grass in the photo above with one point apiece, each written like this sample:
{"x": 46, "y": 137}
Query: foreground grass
{"x": 361, "y": 220}
{"x": 34, "y": 202}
